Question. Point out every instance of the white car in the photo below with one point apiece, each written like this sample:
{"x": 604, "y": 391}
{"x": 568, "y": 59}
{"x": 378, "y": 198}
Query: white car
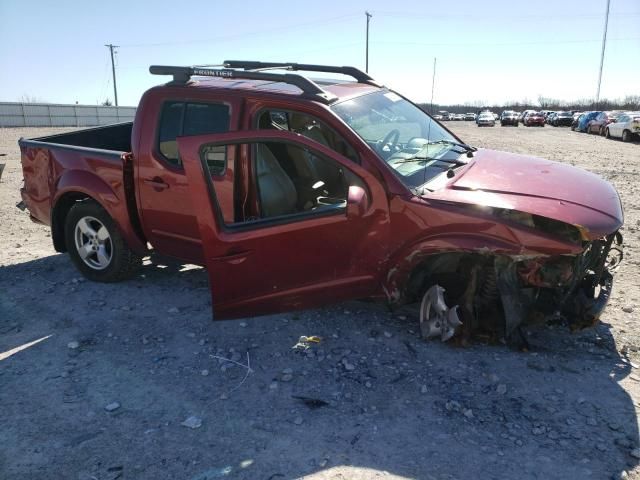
{"x": 486, "y": 118}
{"x": 627, "y": 126}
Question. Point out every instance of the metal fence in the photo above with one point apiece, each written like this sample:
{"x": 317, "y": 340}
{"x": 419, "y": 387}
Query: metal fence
{"x": 15, "y": 114}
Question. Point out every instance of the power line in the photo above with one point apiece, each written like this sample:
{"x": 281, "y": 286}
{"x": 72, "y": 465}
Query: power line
{"x": 277, "y": 30}
{"x": 454, "y": 16}
{"x": 499, "y": 44}
{"x": 111, "y": 48}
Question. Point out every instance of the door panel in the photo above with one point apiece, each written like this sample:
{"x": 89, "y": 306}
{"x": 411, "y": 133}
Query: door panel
{"x": 286, "y": 262}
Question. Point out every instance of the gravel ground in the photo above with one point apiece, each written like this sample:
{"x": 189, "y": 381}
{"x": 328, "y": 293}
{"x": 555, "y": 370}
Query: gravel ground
{"x": 134, "y": 381}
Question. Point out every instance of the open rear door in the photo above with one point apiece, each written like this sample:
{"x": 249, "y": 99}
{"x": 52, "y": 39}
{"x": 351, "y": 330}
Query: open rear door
{"x": 283, "y": 257}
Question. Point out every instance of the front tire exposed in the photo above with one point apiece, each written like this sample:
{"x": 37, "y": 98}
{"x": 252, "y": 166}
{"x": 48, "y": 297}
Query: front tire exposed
{"x": 626, "y": 136}
{"x": 96, "y": 246}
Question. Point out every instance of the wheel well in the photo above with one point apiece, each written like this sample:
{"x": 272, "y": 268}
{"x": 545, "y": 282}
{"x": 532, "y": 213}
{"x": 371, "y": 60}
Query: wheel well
{"x": 59, "y": 216}
{"x": 451, "y": 270}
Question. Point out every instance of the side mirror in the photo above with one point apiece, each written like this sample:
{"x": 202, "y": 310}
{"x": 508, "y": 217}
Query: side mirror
{"x": 357, "y": 202}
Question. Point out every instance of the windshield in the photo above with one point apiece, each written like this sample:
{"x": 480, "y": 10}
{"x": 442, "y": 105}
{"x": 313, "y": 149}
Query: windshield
{"x": 402, "y": 135}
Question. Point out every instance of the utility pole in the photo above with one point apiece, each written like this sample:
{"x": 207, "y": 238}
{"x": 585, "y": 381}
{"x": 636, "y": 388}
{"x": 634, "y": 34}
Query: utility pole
{"x": 113, "y": 72}
{"x": 604, "y": 44}
{"x": 433, "y": 83}
{"x": 366, "y": 69}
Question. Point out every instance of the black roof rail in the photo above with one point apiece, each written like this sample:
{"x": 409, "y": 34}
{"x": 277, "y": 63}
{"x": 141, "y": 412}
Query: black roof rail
{"x": 353, "y": 72}
{"x": 182, "y": 75}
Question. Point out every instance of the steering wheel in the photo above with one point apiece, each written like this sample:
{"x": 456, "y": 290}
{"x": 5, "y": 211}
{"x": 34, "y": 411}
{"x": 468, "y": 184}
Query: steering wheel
{"x": 390, "y": 140}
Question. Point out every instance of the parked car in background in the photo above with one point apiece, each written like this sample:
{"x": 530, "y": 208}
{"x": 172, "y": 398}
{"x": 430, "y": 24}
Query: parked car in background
{"x": 509, "y": 117}
{"x": 626, "y": 126}
{"x": 599, "y": 124}
{"x": 549, "y": 118}
{"x": 470, "y": 116}
{"x": 445, "y": 115}
{"x": 486, "y": 119}
{"x": 584, "y": 121}
{"x": 576, "y": 120}
{"x": 534, "y": 119}
{"x": 524, "y": 114}
{"x": 458, "y": 117}
{"x": 437, "y": 117}
{"x": 562, "y": 119}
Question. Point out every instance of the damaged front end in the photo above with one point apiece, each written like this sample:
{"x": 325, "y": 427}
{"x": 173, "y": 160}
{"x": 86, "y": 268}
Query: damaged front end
{"x": 570, "y": 289}
{"x": 482, "y": 294}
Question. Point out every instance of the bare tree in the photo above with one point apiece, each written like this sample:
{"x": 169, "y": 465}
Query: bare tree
{"x": 26, "y": 98}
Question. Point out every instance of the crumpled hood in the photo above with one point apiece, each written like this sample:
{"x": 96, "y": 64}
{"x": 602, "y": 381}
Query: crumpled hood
{"x": 539, "y": 187}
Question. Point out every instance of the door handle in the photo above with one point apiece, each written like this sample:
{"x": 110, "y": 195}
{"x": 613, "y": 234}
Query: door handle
{"x": 156, "y": 183}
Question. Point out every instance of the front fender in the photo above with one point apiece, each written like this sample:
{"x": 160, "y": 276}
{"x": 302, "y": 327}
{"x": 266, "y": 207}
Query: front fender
{"x": 403, "y": 262}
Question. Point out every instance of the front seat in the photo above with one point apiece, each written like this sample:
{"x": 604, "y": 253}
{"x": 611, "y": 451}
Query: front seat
{"x": 276, "y": 191}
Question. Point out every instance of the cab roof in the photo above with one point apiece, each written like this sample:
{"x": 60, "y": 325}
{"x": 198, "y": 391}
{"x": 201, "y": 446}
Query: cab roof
{"x": 342, "y": 90}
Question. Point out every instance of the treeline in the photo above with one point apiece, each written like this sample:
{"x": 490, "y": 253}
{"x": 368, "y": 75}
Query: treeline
{"x": 630, "y": 102}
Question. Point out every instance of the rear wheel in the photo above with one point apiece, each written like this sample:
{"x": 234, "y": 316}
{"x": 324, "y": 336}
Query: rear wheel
{"x": 96, "y": 246}
{"x": 626, "y": 136}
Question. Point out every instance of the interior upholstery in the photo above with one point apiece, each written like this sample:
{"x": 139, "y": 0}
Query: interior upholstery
{"x": 276, "y": 190}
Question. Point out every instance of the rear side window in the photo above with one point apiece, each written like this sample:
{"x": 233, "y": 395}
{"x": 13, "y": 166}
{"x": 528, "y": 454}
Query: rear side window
{"x": 185, "y": 119}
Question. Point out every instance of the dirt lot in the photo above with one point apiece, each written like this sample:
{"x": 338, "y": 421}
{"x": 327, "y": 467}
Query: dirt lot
{"x": 391, "y": 405}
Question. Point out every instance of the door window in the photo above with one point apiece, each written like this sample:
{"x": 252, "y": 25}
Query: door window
{"x": 286, "y": 180}
{"x": 290, "y": 179}
{"x": 186, "y": 119}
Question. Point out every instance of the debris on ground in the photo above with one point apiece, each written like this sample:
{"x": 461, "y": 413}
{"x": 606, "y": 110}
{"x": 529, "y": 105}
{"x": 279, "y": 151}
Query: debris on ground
{"x": 304, "y": 343}
{"x": 312, "y": 403}
{"x": 113, "y": 406}
{"x": 192, "y": 422}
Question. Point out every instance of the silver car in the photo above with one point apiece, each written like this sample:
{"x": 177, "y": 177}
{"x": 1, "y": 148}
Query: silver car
{"x": 486, "y": 119}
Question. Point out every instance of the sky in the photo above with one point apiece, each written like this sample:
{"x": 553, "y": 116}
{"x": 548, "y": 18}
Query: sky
{"x": 489, "y": 51}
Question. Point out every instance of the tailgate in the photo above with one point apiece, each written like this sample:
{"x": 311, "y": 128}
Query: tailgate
{"x": 36, "y": 171}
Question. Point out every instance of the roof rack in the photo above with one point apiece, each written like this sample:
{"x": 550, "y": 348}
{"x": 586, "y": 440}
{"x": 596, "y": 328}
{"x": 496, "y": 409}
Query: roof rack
{"x": 253, "y": 71}
{"x": 353, "y": 72}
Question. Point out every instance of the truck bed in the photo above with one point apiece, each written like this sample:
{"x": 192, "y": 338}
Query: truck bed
{"x": 80, "y": 164}
{"x": 115, "y": 137}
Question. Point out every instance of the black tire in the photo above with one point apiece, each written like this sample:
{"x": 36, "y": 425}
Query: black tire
{"x": 606, "y": 133}
{"x": 107, "y": 257}
{"x": 626, "y": 136}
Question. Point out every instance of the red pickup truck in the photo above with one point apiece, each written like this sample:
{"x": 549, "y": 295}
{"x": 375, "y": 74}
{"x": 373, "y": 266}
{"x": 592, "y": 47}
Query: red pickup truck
{"x": 295, "y": 192}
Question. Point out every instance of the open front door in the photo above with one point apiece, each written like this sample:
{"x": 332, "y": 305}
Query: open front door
{"x": 308, "y": 225}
